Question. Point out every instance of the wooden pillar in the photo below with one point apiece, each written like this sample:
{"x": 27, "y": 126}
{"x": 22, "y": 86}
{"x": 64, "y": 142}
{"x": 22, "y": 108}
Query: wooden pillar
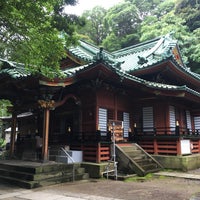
{"x": 98, "y": 152}
{"x": 47, "y": 105}
{"x": 178, "y": 146}
{"x": 155, "y": 146}
{"x": 45, "y": 145}
{"x": 13, "y": 134}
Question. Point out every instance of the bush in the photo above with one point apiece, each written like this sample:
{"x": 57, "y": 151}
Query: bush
{"x": 2, "y": 143}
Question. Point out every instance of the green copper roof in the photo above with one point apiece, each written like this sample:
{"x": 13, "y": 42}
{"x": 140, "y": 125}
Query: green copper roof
{"x": 125, "y": 75}
{"x": 122, "y": 62}
{"x": 132, "y": 58}
{"x": 146, "y": 54}
{"x": 13, "y": 69}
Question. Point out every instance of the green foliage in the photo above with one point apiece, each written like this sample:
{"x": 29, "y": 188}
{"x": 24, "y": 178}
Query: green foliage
{"x": 163, "y": 8}
{"x": 94, "y": 27}
{"x": 122, "y": 21}
{"x": 140, "y": 178}
{"x": 194, "y": 49}
{"x": 4, "y": 107}
{"x": 111, "y": 42}
{"x": 2, "y": 143}
{"x": 190, "y": 11}
{"x": 134, "y": 20}
{"x": 153, "y": 27}
{"x": 188, "y": 41}
{"x": 146, "y": 7}
{"x": 30, "y": 33}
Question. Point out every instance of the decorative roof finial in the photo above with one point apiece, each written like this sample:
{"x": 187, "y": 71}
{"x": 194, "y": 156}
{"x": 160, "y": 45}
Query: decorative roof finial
{"x": 100, "y": 54}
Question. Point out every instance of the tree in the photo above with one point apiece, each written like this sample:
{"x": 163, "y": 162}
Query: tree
{"x": 153, "y": 27}
{"x": 163, "y": 8}
{"x": 193, "y": 50}
{"x": 157, "y": 25}
{"x": 122, "y": 21}
{"x": 111, "y": 43}
{"x": 190, "y": 11}
{"x": 94, "y": 27}
{"x": 135, "y": 20}
{"x": 146, "y": 7}
{"x": 30, "y": 33}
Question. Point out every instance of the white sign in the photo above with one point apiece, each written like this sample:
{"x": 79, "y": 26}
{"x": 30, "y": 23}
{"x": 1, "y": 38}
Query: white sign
{"x": 185, "y": 147}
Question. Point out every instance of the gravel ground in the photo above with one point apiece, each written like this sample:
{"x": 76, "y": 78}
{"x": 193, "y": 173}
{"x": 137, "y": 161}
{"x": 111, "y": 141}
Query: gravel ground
{"x": 158, "y": 188}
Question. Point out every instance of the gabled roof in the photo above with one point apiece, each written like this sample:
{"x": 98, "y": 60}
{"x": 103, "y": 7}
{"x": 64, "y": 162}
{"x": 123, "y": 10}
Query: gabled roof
{"x": 124, "y": 75}
{"x": 146, "y": 54}
{"x": 138, "y": 57}
{"x": 134, "y": 57}
{"x": 122, "y": 62}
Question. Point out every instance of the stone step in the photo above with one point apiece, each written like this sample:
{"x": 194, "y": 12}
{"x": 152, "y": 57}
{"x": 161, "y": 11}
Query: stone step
{"x": 138, "y": 157}
{"x": 143, "y": 161}
{"x": 37, "y": 169}
{"x": 32, "y": 177}
{"x": 149, "y": 166}
{"x": 129, "y": 148}
{"x": 136, "y": 160}
{"x": 134, "y": 153}
{"x": 28, "y": 176}
{"x": 38, "y": 176}
{"x": 44, "y": 182}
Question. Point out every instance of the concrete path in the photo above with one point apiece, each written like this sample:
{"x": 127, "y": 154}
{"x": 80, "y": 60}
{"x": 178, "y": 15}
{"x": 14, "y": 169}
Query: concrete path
{"x": 179, "y": 175}
{"x": 36, "y": 195}
{"x": 9, "y": 192}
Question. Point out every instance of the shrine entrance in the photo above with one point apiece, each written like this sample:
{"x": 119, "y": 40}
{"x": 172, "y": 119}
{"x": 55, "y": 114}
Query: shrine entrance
{"x": 65, "y": 123}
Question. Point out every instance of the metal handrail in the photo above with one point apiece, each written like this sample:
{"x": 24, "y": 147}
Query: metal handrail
{"x": 113, "y": 155}
{"x": 108, "y": 170}
{"x": 72, "y": 160}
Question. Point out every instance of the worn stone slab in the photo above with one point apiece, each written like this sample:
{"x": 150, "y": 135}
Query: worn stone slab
{"x": 179, "y": 175}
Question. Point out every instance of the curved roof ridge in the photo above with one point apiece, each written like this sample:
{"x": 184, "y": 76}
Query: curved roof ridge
{"x": 163, "y": 46}
{"x": 89, "y": 46}
{"x": 134, "y": 48}
{"x": 87, "y": 51}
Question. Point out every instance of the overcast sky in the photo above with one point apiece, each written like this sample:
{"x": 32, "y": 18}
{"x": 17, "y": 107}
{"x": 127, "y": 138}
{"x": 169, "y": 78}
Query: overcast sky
{"x": 89, "y": 4}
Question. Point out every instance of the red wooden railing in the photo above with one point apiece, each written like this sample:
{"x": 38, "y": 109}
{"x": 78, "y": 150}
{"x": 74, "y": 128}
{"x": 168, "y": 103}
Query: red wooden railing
{"x": 161, "y": 147}
{"x": 165, "y": 141}
{"x": 94, "y": 145}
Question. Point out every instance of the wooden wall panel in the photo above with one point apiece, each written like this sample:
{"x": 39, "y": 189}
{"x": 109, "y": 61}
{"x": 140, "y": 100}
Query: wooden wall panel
{"x": 160, "y": 115}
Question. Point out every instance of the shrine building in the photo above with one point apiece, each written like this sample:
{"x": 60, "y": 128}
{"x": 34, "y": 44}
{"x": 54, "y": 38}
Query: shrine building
{"x": 144, "y": 94}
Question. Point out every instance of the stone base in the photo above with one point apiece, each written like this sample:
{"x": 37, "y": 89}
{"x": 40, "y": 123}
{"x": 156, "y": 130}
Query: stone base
{"x": 183, "y": 163}
{"x": 95, "y": 170}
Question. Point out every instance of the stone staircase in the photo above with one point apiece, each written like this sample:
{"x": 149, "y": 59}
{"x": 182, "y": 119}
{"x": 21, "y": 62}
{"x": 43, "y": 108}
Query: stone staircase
{"x": 29, "y": 175}
{"x": 132, "y": 158}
